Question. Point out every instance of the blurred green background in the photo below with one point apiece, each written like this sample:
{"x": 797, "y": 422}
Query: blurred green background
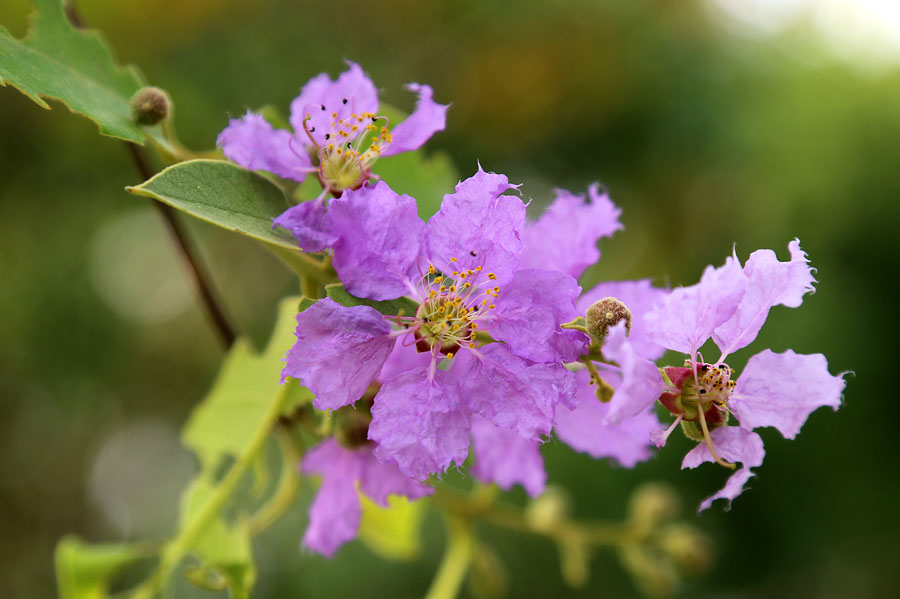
{"x": 709, "y": 130}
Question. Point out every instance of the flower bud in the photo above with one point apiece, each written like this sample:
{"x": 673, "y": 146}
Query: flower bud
{"x": 690, "y": 550}
{"x": 603, "y": 314}
{"x": 548, "y": 510}
{"x": 150, "y": 105}
{"x": 650, "y": 506}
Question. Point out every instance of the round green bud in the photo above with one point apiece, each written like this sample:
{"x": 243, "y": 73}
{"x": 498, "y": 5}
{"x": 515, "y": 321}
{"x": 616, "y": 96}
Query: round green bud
{"x": 548, "y": 509}
{"x": 650, "y": 506}
{"x": 603, "y": 314}
{"x": 690, "y": 550}
{"x": 150, "y": 105}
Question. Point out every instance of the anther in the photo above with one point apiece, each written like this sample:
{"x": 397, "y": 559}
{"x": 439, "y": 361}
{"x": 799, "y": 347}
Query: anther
{"x": 344, "y": 101}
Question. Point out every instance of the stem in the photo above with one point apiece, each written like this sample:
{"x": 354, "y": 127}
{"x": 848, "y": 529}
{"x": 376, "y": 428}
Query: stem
{"x": 456, "y": 561}
{"x": 200, "y": 277}
{"x": 185, "y": 539}
{"x": 709, "y": 443}
{"x": 288, "y": 484}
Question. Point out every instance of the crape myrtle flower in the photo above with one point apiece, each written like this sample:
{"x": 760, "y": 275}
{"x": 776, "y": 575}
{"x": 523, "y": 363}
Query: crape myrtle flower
{"x": 348, "y": 467}
{"x": 730, "y": 305}
{"x": 337, "y": 134}
{"x": 461, "y": 270}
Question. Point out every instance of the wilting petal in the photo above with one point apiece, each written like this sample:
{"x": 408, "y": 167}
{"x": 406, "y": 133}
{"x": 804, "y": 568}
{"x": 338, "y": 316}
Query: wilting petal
{"x": 252, "y": 143}
{"x": 641, "y": 382}
{"x": 529, "y": 313}
{"x": 769, "y": 283}
{"x": 479, "y": 227}
{"x": 353, "y": 85}
{"x": 428, "y": 118}
{"x": 640, "y": 297}
{"x": 338, "y": 352}
{"x": 334, "y": 514}
{"x": 379, "y": 481}
{"x": 505, "y": 458}
{"x": 418, "y": 424}
{"x": 584, "y": 428}
{"x": 686, "y": 318}
{"x": 735, "y": 445}
{"x": 379, "y": 241}
{"x": 512, "y": 392}
{"x": 782, "y": 390}
{"x": 565, "y": 236}
{"x": 308, "y": 222}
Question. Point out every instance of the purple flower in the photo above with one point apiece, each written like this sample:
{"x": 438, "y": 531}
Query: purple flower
{"x": 461, "y": 269}
{"x": 505, "y": 458}
{"x": 565, "y": 236}
{"x": 730, "y": 305}
{"x": 335, "y": 512}
{"x": 338, "y": 135}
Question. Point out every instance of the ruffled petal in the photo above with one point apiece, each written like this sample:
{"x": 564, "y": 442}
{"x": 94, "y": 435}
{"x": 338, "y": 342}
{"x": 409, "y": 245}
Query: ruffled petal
{"x": 641, "y": 297}
{"x": 335, "y": 512}
{"x": 252, "y": 143}
{"x": 379, "y": 481}
{"x": 735, "y": 445}
{"x": 529, "y": 312}
{"x": 512, "y": 392}
{"x": 308, "y": 222}
{"x": 641, "y": 383}
{"x": 379, "y": 241}
{"x": 338, "y": 352}
{"x": 479, "y": 227}
{"x": 782, "y": 390}
{"x": 565, "y": 236}
{"x": 418, "y": 424}
{"x": 352, "y": 85}
{"x": 769, "y": 283}
{"x": 686, "y": 318}
{"x": 584, "y": 428}
{"x": 505, "y": 458}
{"x": 428, "y": 118}
{"x": 403, "y": 357}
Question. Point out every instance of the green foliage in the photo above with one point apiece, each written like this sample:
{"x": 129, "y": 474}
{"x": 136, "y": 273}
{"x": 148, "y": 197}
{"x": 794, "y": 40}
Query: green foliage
{"x": 57, "y": 61}
{"x": 402, "y": 306}
{"x": 426, "y": 178}
{"x": 84, "y": 571}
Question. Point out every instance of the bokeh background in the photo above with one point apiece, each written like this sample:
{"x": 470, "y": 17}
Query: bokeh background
{"x": 712, "y": 122}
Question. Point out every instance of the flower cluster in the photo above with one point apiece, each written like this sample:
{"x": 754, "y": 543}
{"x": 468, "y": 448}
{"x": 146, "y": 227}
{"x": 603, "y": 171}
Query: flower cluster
{"x": 470, "y": 328}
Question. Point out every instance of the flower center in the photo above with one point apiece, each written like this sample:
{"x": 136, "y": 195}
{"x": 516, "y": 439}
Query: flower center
{"x": 450, "y": 309}
{"x": 715, "y": 385}
{"x": 348, "y": 148}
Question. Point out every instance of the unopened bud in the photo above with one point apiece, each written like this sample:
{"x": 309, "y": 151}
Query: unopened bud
{"x": 650, "y": 506}
{"x": 603, "y": 314}
{"x": 690, "y": 550}
{"x": 150, "y": 105}
{"x": 548, "y": 510}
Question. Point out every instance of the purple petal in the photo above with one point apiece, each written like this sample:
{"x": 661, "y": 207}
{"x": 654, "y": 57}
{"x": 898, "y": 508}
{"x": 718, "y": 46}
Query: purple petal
{"x": 428, "y": 118}
{"x": 418, "y": 424}
{"x": 505, "y": 458}
{"x": 252, "y": 143}
{"x": 308, "y": 222}
{"x": 513, "y": 392}
{"x": 782, "y": 390}
{"x": 686, "y": 318}
{"x": 479, "y": 227}
{"x": 735, "y": 445}
{"x": 334, "y": 514}
{"x": 584, "y": 428}
{"x": 379, "y": 481}
{"x": 353, "y": 85}
{"x": 529, "y": 312}
{"x": 769, "y": 283}
{"x": 641, "y": 383}
{"x": 403, "y": 357}
{"x": 565, "y": 236}
{"x": 640, "y": 297}
{"x": 338, "y": 352}
{"x": 379, "y": 241}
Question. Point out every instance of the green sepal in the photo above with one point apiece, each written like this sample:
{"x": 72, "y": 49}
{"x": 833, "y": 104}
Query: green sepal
{"x": 75, "y": 66}
{"x": 403, "y": 306}
{"x": 306, "y": 302}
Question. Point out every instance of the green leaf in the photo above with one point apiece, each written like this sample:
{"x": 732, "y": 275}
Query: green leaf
{"x": 228, "y": 418}
{"x": 403, "y": 306}
{"x": 85, "y": 571}
{"x": 426, "y": 178}
{"x": 392, "y": 532}
{"x": 57, "y": 61}
{"x": 223, "y": 194}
